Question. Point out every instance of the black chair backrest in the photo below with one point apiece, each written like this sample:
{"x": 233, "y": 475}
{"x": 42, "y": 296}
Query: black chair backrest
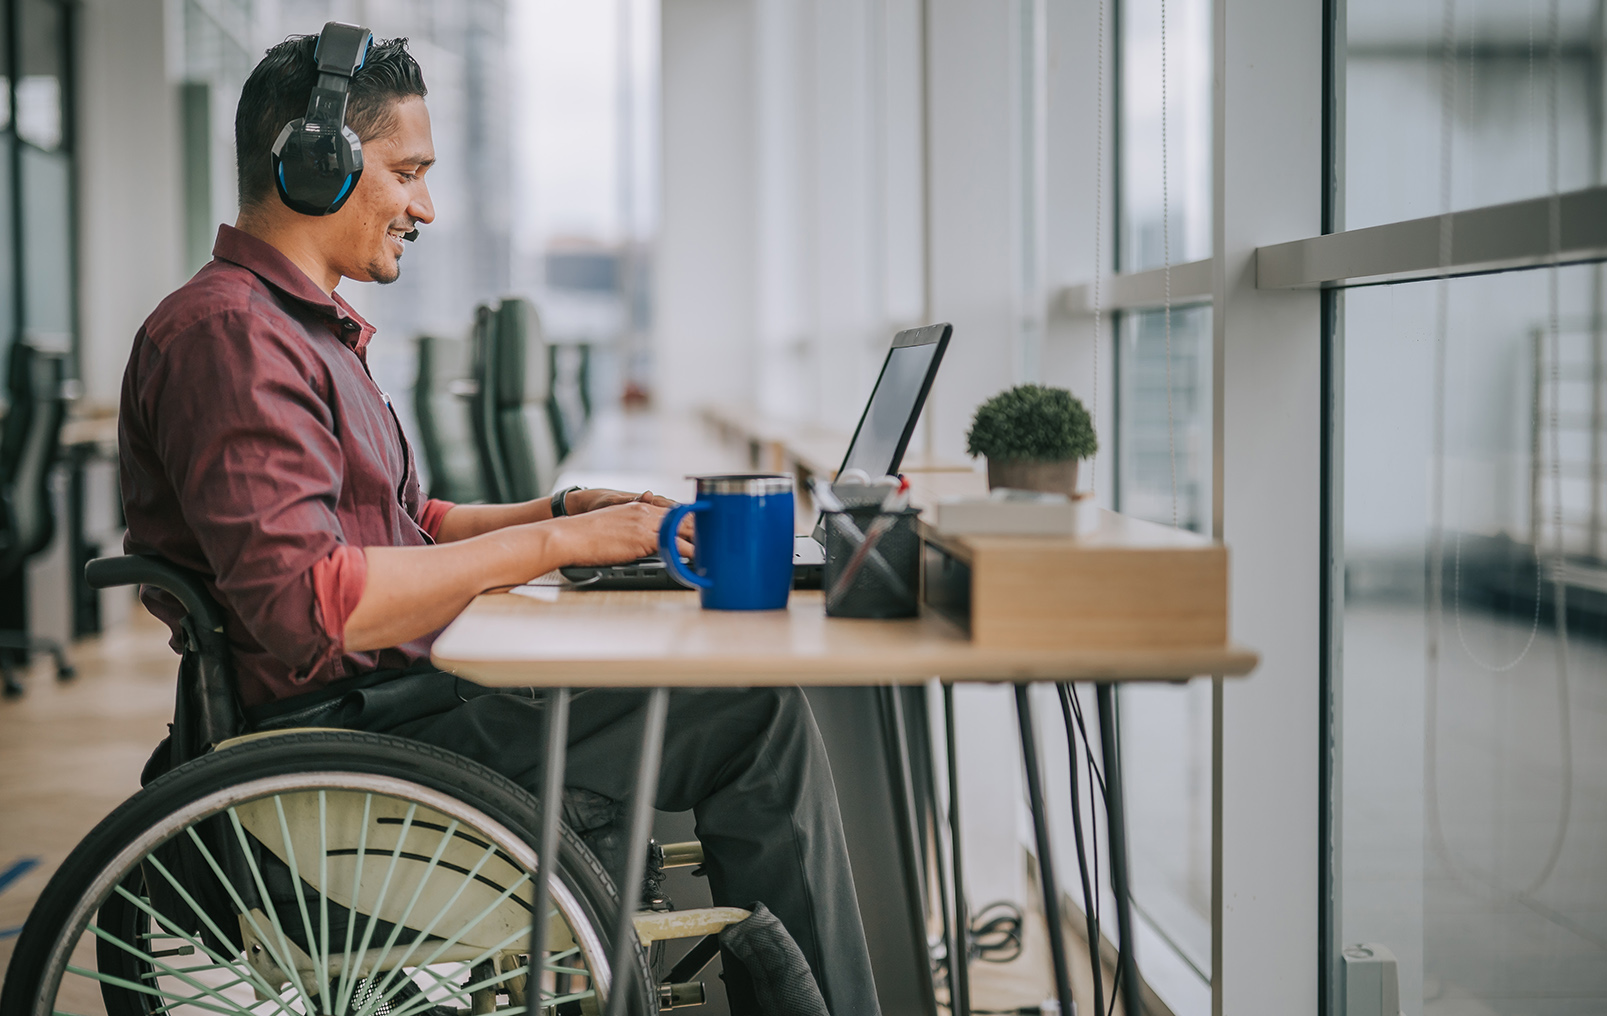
{"x": 445, "y": 430}
{"x": 30, "y": 444}
{"x": 206, "y": 710}
{"x": 512, "y": 422}
{"x": 569, "y": 404}
{"x": 482, "y": 404}
{"x": 525, "y": 431}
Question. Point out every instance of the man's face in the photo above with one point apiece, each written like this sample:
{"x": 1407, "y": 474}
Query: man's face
{"x": 390, "y": 198}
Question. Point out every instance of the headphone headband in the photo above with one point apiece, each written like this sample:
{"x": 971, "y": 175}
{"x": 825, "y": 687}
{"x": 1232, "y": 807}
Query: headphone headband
{"x": 317, "y": 159}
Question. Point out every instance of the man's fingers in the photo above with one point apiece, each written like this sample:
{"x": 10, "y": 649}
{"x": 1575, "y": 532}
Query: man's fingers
{"x": 684, "y": 546}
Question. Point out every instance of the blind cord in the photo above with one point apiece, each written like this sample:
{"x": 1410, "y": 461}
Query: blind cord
{"x": 1166, "y": 255}
{"x": 1099, "y": 222}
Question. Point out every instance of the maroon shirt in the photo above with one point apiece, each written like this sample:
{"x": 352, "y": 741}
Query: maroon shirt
{"x": 257, "y": 450}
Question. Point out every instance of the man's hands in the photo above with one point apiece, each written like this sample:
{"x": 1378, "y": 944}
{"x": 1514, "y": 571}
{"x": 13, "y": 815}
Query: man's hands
{"x": 578, "y": 502}
{"x": 616, "y": 532}
{"x": 584, "y": 502}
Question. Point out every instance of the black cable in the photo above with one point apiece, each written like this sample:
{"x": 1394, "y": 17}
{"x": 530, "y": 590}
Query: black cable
{"x": 1088, "y": 748}
{"x": 1090, "y": 914}
{"x": 1095, "y": 776}
{"x": 996, "y": 940}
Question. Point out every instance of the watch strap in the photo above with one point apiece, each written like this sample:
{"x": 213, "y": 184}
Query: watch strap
{"x": 560, "y": 508}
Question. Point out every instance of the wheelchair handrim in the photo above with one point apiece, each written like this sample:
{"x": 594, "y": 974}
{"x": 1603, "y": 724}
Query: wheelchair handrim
{"x": 221, "y": 801}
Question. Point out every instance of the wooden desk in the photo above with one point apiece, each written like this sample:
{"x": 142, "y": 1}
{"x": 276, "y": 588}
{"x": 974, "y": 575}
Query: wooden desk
{"x": 645, "y": 639}
{"x": 567, "y": 638}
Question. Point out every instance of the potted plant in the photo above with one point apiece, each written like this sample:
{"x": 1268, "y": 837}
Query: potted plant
{"x": 1033, "y": 438}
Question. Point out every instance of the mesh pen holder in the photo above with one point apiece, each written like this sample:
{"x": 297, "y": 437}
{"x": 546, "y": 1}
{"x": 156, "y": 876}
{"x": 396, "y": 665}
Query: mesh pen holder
{"x": 873, "y": 561}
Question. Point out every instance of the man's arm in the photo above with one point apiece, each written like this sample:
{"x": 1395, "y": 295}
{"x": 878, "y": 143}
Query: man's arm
{"x": 412, "y": 591}
{"x": 465, "y": 521}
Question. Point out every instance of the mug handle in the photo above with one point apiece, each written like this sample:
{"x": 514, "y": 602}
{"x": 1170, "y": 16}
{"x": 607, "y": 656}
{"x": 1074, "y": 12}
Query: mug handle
{"x": 666, "y": 545}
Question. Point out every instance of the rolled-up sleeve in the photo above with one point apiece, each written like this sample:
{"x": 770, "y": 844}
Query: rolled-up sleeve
{"x": 248, "y": 443}
{"x": 431, "y": 514}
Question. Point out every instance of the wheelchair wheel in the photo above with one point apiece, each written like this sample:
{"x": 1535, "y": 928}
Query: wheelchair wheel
{"x": 321, "y": 872}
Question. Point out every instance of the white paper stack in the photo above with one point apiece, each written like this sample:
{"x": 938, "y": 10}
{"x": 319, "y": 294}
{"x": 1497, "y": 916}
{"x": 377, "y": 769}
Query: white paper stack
{"x": 1016, "y": 513}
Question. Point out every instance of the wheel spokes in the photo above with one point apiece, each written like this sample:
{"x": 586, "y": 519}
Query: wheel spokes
{"x": 306, "y": 964}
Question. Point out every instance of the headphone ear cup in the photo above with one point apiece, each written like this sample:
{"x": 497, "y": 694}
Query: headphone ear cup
{"x": 314, "y": 172}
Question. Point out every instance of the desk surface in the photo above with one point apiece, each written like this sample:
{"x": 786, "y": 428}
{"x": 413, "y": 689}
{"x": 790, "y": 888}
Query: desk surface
{"x": 641, "y": 639}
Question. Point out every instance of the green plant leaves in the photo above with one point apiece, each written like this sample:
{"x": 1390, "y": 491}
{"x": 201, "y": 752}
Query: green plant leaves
{"x": 1032, "y": 422}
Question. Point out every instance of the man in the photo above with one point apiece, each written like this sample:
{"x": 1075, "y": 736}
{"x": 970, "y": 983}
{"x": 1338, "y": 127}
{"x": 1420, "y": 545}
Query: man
{"x": 257, "y": 451}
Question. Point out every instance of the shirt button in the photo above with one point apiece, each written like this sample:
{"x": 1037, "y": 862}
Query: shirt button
{"x": 350, "y": 326}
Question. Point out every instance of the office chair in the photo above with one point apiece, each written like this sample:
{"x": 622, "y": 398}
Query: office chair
{"x": 445, "y": 432}
{"x": 512, "y": 423}
{"x": 569, "y": 404}
{"x": 30, "y": 443}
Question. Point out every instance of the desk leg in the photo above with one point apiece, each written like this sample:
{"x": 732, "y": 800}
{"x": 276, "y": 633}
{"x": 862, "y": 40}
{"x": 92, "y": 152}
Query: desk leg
{"x": 552, "y": 796}
{"x": 643, "y": 795}
{"x": 904, "y": 795}
{"x": 960, "y": 948}
{"x": 1046, "y": 862}
{"x": 1116, "y": 830}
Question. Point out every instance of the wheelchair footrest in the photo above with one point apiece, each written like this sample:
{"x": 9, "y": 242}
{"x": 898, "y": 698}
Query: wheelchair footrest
{"x": 657, "y": 927}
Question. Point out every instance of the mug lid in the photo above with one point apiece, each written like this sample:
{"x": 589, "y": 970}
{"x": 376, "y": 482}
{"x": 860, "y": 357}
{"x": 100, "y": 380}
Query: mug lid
{"x": 743, "y": 483}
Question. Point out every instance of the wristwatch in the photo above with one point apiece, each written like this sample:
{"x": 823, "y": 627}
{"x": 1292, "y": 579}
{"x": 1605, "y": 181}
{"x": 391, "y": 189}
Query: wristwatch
{"x": 559, "y": 509}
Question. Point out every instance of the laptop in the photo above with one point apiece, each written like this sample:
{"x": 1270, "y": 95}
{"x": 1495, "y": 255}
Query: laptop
{"x": 877, "y": 447}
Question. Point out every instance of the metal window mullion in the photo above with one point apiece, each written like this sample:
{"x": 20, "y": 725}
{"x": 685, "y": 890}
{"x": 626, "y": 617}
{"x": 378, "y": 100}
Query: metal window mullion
{"x": 1191, "y": 284}
{"x": 1489, "y": 239}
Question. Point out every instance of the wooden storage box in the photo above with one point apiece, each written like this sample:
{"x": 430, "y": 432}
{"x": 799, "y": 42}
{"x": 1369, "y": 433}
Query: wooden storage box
{"x": 1127, "y": 584}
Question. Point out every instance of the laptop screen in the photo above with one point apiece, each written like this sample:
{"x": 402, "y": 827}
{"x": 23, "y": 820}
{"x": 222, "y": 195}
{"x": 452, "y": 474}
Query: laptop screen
{"x": 895, "y": 403}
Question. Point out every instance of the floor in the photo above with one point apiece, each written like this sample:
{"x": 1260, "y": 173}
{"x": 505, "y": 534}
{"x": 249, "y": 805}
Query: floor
{"x": 70, "y": 753}
{"x": 1477, "y": 856}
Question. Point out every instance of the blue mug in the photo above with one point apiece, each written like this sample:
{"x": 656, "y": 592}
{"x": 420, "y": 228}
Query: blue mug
{"x": 742, "y": 545}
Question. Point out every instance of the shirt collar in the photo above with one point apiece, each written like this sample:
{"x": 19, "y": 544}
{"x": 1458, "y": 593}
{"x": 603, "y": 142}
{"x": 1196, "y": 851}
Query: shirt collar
{"x": 271, "y": 266}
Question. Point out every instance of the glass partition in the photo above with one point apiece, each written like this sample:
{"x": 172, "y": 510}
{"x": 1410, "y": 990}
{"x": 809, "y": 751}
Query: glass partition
{"x": 1472, "y": 827}
{"x": 37, "y": 274}
{"x": 41, "y": 79}
{"x": 1164, "y": 415}
{"x": 1487, "y": 70}
{"x": 1186, "y": 116}
{"x": 1162, "y": 446}
{"x": 47, "y": 265}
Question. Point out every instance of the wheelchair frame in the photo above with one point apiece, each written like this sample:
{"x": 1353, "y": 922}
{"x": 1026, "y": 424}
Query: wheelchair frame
{"x": 271, "y": 830}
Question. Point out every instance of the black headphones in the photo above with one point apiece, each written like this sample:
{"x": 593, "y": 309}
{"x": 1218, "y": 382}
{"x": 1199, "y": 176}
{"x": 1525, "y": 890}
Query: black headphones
{"x": 317, "y": 159}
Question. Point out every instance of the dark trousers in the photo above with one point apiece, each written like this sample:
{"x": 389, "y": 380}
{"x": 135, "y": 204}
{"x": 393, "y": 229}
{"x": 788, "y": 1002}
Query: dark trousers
{"x": 749, "y": 764}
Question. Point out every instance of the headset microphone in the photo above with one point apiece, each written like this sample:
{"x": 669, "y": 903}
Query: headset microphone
{"x": 317, "y": 160}
{"x": 411, "y": 235}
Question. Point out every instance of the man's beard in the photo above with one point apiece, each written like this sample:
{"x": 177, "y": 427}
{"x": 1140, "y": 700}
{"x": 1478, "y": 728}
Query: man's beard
{"x": 384, "y": 270}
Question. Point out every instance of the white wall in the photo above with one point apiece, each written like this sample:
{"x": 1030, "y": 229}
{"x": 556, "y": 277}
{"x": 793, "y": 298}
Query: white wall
{"x": 1268, "y": 355}
{"x": 130, "y": 180}
{"x": 974, "y": 240}
{"x": 791, "y": 243}
{"x": 706, "y": 277}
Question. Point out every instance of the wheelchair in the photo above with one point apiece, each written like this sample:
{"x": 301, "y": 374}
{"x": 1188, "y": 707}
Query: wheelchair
{"x": 326, "y": 872}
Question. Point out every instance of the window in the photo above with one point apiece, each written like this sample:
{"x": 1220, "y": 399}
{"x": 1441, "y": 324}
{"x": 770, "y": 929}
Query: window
{"x": 1163, "y": 468}
{"x": 1471, "y": 610}
{"x": 1484, "y": 69}
{"x": 37, "y": 277}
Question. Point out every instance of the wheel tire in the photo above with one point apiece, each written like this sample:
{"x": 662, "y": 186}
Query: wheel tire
{"x": 113, "y": 852}
{"x": 123, "y": 919}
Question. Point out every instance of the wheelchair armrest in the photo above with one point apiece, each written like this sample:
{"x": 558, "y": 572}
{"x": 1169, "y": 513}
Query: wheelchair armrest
{"x": 148, "y": 570}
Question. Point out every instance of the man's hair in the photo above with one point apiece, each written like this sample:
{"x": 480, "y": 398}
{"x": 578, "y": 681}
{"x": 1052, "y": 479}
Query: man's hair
{"x": 280, "y": 86}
